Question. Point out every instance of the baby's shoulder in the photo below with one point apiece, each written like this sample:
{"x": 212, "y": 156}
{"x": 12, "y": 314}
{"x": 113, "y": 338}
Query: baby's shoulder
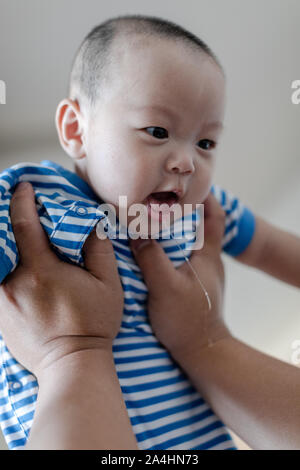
{"x": 50, "y": 181}
{"x": 27, "y": 171}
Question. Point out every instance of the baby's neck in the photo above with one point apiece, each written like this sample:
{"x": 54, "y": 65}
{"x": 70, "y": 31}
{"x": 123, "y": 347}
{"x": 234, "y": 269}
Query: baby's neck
{"x": 80, "y": 171}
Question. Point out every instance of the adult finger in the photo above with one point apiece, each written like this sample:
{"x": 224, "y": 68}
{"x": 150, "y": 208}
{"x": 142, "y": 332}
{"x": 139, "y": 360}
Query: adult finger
{"x": 156, "y": 267}
{"x": 214, "y": 224}
{"x": 31, "y": 239}
{"x": 99, "y": 257}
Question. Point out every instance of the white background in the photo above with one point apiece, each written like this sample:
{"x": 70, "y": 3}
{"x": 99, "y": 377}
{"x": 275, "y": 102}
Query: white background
{"x": 257, "y": 42}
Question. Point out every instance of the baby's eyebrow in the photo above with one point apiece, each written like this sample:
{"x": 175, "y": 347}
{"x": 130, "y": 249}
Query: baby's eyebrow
{"x": 208, "y": 125}
{"x": 157, "y": 107}
{"x": 214, "y": 125}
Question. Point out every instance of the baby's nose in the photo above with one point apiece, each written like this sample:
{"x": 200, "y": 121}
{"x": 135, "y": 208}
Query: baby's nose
{"x": 177, "y": 169}
{"x": 182, "y": 166}
{"x": 180, "y": 163}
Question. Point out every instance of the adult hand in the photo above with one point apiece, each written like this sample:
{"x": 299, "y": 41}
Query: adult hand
{"x": 50, "y": 308}
{"x": 177, "y": 306}
{"x": 230, "y": 374}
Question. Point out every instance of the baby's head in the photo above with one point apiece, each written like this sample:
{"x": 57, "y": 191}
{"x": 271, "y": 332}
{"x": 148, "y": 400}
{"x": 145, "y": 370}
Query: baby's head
{"x": 145, "y": 111}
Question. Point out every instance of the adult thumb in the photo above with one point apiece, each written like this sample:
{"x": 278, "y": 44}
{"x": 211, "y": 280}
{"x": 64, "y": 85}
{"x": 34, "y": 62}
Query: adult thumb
{"x": 214, "y": 224}
{"x": 156, "y": 267}
{"x": 99, "y": 257}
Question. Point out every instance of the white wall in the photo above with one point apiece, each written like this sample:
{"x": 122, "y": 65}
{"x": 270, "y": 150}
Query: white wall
{"x": 257, "y": 42}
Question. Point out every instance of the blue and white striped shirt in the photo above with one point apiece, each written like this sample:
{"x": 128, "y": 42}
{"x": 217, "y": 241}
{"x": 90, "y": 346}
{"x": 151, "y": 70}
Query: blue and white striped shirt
{"x": 165, "y": 410}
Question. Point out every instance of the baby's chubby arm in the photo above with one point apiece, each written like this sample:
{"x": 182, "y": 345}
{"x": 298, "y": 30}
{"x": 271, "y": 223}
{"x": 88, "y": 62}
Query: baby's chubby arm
{"x": 274, "y": 251}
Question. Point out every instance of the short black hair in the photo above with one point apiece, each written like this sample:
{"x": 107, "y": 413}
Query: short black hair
{"x": 91, "y": 63}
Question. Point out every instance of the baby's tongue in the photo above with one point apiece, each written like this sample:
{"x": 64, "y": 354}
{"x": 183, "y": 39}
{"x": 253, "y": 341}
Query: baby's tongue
{"x": 164, "y": 197}
{"x": 160, "y": 206}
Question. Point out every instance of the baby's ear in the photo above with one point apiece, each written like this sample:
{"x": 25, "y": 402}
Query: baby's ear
{"x": 68, "y": 121}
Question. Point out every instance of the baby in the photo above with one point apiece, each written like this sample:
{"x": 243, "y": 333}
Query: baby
{"x": 143, "y": 119}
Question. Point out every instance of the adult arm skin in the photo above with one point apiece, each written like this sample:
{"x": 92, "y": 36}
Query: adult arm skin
{"x": 80, "y": 405}
{"x": 256, "y": 395}
{"x": 59, "y": 321}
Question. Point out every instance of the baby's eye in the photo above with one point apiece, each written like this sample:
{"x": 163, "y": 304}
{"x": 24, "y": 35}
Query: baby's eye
{"x": 158, "y": 132}
{"x": 207, "y": 144}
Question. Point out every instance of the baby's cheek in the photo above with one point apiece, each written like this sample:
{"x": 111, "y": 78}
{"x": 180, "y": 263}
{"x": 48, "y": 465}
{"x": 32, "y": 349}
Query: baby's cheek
{"x": 135, "y": 179}
{"x": 201, "y": 184}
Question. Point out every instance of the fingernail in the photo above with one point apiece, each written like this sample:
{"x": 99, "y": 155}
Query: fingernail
{"x": 140, "y": 243}
{"x": 23, "y": 186}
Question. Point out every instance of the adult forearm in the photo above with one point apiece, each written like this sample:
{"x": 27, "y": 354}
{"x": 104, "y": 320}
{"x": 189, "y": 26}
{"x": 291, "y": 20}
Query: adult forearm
{"x": 256, "y": 395}
{"x": 80, "y": 406}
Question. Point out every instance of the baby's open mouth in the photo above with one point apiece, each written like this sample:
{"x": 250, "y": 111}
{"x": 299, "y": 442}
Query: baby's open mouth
{"x": 164, "y": 197}
{"x": 159, "y": 204}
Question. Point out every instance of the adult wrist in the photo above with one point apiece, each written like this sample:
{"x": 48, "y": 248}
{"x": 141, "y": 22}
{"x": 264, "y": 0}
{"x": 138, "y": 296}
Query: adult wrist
{"x": 201, "y": 347}
{"x": 66, "y": 358}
